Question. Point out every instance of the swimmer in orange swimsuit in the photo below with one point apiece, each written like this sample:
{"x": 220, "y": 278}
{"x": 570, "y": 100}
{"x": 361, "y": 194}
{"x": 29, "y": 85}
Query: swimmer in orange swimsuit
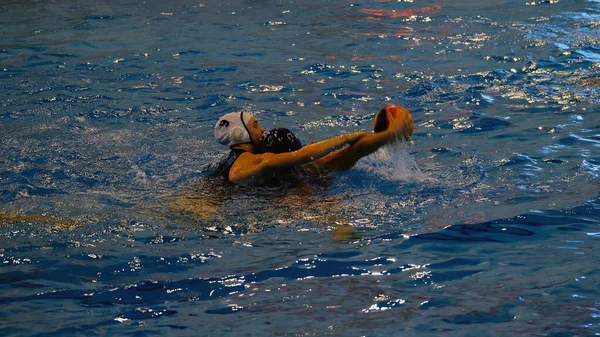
{"x": 241, "y": 132}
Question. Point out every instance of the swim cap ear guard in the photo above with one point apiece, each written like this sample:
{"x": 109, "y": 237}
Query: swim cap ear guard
{"x": 231, "y": 129}
{"x": 281, "y": 140}
{"x": 239, "y": 135}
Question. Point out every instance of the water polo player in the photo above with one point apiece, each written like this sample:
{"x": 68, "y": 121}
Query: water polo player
{"x": 281, "y": 140}
{"x": 246, "y": 165}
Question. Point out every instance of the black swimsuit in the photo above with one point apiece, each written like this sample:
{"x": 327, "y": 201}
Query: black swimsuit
{"x": 224, "y": 166}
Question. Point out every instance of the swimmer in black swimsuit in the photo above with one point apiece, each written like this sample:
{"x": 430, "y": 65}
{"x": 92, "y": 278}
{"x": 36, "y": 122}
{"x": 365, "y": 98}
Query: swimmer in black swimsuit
{"x": 241, "y": 132}
{"x": 277, "y": 141}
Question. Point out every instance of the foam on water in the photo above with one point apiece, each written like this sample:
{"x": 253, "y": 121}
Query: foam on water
{"x": 396, "y": 164}
{"x": 406, "y": 168}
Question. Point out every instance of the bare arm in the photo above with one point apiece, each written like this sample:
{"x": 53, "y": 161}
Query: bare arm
{"x": 254, "y": 168}
{"x": 400, "y": 128}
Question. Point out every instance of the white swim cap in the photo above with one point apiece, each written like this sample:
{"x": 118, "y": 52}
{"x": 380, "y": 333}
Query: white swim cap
{"x": 231, "y": 129}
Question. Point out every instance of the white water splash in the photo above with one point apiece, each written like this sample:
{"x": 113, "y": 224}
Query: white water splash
{"x": 394, "y": 162}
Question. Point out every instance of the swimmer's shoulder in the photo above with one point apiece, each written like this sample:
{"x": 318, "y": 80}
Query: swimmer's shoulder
{"x": 255, "y": 169}
{"x": 260, "y": 160}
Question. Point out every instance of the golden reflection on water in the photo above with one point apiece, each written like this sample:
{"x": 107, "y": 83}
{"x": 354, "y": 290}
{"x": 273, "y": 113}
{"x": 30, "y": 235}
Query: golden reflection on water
{"x": 590, "y": 82}
{"x": 378, "y": 14}
{"x": 213, "y": 207}
{"x": 345, "y": 233}
{"x": 7, "y": 219}
{"x": 196, "y": 207}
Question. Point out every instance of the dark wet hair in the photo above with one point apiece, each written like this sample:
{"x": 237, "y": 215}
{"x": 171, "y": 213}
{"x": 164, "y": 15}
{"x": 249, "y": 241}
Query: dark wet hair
{"x": 281, "y": 140}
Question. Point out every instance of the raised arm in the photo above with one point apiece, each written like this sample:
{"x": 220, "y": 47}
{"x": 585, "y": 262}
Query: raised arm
{"x": 400, "y": 128}
{"x": 251, "y": 168}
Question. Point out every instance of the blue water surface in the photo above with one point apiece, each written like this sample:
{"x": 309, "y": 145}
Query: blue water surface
{"x": 485, "y": 224}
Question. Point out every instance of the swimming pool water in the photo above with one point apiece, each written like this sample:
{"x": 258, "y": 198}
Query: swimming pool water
{"x": 485, "y": 224}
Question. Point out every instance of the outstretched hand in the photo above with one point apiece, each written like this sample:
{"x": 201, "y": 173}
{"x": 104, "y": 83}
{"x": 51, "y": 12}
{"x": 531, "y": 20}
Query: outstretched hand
{"x": 392, "y": 124}
{"x": 400, "y": 122}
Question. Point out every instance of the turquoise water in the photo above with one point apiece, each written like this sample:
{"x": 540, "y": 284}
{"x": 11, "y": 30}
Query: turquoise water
{"x": 486, "y": 224}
